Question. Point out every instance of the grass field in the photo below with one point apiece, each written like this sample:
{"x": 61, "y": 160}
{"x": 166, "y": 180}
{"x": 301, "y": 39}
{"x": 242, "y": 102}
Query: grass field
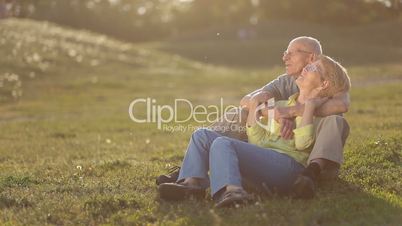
{"x": 69, "y": 153}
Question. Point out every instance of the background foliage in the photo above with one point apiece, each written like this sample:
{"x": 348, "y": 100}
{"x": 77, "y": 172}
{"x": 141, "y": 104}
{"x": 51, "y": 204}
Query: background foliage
{"x": 139, "y": 20}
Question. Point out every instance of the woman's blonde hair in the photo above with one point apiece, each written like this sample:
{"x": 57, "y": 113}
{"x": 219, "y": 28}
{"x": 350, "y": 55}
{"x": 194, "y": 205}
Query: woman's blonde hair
{"x": 335, "y": 74}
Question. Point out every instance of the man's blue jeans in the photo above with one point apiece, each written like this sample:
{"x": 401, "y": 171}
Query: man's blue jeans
{"x": 230, "y": 161}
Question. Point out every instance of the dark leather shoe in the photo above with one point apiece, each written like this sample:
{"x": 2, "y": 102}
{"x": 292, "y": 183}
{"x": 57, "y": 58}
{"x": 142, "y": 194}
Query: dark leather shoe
{"x": 176, "y": 192}
{"x": 303, "y": 187}
{"x": 233, "y": 198}
{"x": 171, "y": 177}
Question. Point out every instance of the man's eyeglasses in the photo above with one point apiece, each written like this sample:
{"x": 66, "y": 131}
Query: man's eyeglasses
{"x": 291, "y": 53}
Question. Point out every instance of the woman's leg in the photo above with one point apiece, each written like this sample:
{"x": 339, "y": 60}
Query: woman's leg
{"x": 231, "y": 160}
{"x": 195, "y": 165}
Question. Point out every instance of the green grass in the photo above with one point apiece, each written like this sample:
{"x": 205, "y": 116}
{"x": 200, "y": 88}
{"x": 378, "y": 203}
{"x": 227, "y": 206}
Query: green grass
{"x": 69, "y": 153}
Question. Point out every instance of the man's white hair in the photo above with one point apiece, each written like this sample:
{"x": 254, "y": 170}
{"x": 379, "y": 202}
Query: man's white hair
{"x": 311, "y": 43}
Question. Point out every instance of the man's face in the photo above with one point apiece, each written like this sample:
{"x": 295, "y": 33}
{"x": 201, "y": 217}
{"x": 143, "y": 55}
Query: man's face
{"x": 296, "y": 57}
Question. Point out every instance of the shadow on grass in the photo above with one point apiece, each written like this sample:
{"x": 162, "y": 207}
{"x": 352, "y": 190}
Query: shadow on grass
{"x": 337, "y": 203}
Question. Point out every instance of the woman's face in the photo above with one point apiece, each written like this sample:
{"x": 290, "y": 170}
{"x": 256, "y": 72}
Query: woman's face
{"x": 311, "y": 76}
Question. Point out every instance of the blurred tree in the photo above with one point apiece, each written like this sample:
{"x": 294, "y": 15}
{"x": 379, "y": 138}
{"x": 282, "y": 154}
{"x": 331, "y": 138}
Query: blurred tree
{"x": 340, "y": 12}
{"x": 138, "y": 20}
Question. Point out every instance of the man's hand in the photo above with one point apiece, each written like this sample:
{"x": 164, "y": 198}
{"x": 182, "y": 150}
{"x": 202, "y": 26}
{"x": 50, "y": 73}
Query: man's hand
{"x": 282, "y": 112}
{"x": 261, "y": 97}
{"x": 283, "y": 115}
{"x": 287, "y": 127}
{"x": 255, "y": 99}
{"x": 316, "y": 102}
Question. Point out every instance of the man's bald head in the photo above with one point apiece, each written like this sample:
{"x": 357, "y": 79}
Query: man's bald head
{"x": 300, "y": 52}
{"x": 311, "y": 44}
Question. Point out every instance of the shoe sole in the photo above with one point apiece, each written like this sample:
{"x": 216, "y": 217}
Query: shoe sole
{"x": 165, "y": 179}
{"x": 233, "y": 201}
{"x": 176, "y": 193}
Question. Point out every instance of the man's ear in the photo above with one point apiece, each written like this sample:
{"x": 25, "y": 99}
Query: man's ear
{"x": 313, "y": 58}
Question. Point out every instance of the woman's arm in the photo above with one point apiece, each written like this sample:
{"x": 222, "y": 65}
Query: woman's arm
{"x": 304, "y": 134}
{"x": 308, "y": 114}
{"x": 255, "y": 133}
{"x": 253, "y": 113}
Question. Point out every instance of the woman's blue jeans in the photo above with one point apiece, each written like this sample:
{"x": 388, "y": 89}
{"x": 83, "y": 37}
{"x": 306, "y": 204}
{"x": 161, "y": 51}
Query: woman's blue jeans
{"x": 231, "y": 161}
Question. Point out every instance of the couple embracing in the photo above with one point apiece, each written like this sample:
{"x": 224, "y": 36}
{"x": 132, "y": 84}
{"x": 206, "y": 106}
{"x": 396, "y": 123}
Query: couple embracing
{"x": 303, "y": 143}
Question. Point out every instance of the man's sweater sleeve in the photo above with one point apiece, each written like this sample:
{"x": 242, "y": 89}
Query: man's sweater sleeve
{"x": 276, "y": 87}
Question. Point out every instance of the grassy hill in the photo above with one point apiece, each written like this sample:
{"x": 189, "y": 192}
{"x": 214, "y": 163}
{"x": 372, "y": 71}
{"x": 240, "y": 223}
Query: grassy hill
{"x": 69, "y": 153}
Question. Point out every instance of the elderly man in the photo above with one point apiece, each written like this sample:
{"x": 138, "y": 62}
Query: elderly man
{"x": 327, "y": 153}
{"x": 332, "y": 131}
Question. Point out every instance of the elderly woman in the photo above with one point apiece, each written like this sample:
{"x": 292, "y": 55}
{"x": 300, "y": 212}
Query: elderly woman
{"x": 267, "y": 160}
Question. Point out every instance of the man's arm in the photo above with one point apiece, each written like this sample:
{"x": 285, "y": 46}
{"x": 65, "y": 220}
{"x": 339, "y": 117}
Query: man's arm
{"x": 253, "y": 114}
{"x": 272, "y": 89}
{"x": 256, "y": 98}
{"x": 267, "y": 92}
{"x": 258, "y": 95}
{"x": 246, "y": 99}
{"x": 338, "y": 104}
{"x": 287, "y": 123}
